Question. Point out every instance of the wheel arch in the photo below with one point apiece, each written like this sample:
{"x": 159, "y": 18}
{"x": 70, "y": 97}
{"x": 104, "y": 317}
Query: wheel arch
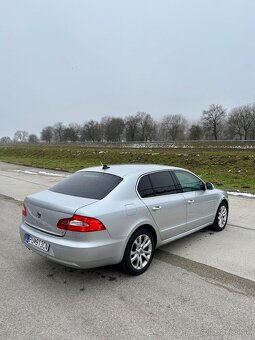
{"x": 148, "y": 227}
{"x": 125, "y": 264}
{"x": 224, "y": 200}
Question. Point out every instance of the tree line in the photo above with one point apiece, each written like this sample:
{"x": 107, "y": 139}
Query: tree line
{"x": 214, "y": 124}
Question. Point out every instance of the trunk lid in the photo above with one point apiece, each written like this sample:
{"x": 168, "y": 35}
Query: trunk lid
{"x": 46, "y": 208}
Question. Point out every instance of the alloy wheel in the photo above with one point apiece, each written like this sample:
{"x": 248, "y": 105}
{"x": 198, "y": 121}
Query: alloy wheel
{"x": 141, "y": 251}
{"x": 222, "y": 216}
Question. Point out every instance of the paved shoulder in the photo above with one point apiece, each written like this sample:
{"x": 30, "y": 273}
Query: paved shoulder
{"x": 18, "y": 181}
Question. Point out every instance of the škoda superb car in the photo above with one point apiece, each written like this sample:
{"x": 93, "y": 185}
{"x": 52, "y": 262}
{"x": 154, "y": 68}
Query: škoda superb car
{"x": 119, "y": 214}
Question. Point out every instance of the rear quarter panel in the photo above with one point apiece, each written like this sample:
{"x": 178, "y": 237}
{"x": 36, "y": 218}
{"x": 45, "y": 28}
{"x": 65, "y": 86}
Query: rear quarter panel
{"x": 122, "y": 211}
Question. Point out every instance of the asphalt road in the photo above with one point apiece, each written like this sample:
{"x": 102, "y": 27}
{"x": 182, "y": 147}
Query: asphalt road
{"x": 196, "y": 288}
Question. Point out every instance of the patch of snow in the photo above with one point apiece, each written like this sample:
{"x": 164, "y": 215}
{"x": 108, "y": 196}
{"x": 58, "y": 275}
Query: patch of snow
{"x": 44, "y": 173}
{"x": 152, "y": 145}
{"x": 27, "y": 172}
{"x": 182, "y": 154}
{"x": 243, "y": 194}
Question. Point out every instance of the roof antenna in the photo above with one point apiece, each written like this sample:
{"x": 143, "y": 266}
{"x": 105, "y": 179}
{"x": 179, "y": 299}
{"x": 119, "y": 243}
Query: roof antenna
{"x": 105, "y": 167}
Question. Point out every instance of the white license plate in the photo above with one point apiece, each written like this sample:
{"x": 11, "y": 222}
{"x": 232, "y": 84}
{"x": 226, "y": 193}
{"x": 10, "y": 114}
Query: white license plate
{"x": 37, "y": 242}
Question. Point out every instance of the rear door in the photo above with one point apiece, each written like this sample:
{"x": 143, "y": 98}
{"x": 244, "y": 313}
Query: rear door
{"x": 200, "y": 202}
{"x": 165, "y": 203}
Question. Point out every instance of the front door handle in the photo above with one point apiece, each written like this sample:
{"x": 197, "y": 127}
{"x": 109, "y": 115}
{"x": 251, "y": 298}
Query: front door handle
{"x": 157, "y": 207}
{"x": 190, "y": 201}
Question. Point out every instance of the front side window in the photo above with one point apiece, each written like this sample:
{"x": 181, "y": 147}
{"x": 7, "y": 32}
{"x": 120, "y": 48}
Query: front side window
{"x": 87, "y": 184}
{"x": 156, "y": 184}
{"x": 188, "y": 181}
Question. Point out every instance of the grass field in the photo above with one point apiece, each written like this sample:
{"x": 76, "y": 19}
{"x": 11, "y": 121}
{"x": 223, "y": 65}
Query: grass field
{"x": 228, "y": 165}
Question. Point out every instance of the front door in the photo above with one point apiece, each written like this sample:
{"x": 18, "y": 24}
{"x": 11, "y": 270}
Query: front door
{"x": 200, "y": 203}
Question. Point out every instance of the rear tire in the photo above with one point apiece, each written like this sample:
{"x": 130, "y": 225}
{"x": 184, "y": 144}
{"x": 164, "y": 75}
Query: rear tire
{"x": 221, "y": 218}
{"x": 139, "y": 252}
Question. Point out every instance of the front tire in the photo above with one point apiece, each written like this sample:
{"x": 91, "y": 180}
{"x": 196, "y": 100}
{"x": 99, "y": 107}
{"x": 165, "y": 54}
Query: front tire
{"x": 221, "y": 218}
{"x": 139, "y": 252}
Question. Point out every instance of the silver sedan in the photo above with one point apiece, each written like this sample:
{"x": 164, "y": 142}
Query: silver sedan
{"x": 119, "y": 214}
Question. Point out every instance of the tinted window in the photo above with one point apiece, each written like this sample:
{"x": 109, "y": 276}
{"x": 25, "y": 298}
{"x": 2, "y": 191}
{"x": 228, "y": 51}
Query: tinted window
{"x": 144, "y": 187}
{"x": 87, "y": 184}
{"x": 188, "y": 181}
{"x": 158, "y": 183}
{"x": 162, "y": 183}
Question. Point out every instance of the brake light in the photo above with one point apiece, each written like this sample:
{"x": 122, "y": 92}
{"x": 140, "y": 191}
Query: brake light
{"x": 80, "y": 224}
{"x": 24, "y": 210}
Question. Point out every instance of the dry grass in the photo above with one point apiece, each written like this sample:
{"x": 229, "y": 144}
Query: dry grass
{"x": 228, "y": 165}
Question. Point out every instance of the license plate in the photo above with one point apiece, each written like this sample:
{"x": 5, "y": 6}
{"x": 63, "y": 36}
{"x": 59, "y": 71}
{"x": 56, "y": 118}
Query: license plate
{"x": 37, "y": 242}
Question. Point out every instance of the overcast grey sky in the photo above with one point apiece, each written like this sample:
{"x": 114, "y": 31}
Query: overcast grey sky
{"x": 75, "y": 60}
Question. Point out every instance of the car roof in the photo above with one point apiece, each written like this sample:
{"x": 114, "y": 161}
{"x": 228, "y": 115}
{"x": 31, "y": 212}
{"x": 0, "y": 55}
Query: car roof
{"x": 124, "y": 170}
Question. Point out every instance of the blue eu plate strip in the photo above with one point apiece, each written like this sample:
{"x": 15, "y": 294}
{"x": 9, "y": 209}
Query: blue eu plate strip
{"x": 27, "y": 238}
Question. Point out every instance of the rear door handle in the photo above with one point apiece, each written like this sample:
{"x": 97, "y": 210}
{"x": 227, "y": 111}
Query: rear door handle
{"x": 190, "y": 201}
{"x": 157, "y": 207}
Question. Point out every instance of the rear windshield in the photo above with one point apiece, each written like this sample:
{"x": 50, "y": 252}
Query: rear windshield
{"x": 87, "y": 184}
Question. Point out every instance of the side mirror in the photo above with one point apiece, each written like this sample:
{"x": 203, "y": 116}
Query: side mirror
{"x": 202, "y": 185}
{"x": 209, "y": 186}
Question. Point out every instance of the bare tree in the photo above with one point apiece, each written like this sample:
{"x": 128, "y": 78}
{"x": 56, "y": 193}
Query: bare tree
{"x": 147, "y": 126}
{"x": 247, "y": 119}
{"x": 59, "y": 132}
{"x": 5, "y": 140}
{"x": 71, "y": 133}
{"x": 252, "y": 130}
{"x": 195, "y": 132}
{"x": 33, "y": 138}
{"x": 91, "y": 131}
{"x": 112, "y": 128}
{"x": 131, "y": 128}
{"x": 142, "y": 127}
{"x": 21, "y": 136}
{"x": 240, "y": 122}
{"x": 213, "y": 120}
{"x": 47, "y": 134}
{"x": 234, "y": 124}
{"x": 173, "y": 127}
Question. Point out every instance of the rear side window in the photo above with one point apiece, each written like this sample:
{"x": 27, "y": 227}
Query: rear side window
{"x": 156, "y": 184}
{"x": 87, "y": 184}
{"x": 145, "y": 187}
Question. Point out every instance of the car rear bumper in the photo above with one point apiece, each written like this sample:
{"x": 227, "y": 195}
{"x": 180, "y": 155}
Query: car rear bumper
{"x": 89, "y": 253}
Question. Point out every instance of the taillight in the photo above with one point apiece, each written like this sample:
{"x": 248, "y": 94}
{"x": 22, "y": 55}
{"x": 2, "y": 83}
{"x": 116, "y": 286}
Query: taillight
{"x": 80, "y": 224}
{"x": 24, "y": 210}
